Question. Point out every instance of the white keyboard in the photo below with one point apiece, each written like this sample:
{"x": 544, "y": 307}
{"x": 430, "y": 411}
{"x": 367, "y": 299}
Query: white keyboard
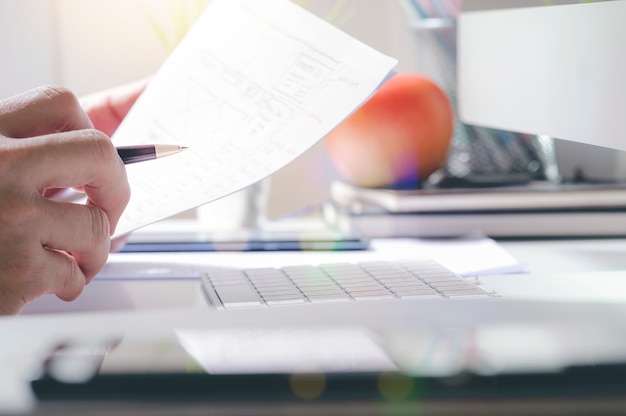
{"x": 336, "y": 282}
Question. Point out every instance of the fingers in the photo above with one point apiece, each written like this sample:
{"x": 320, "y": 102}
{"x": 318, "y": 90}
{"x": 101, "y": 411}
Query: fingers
{"x": 84, "y": 158}
{"x": 31, "y": 267}
{"x": 41, "y": 111}
{"x": 46, "y": 272}
{"x": 48, "y": 246}
{"x": 41, "y": 271}
{"x": 64, "y": 277}
{"x": 80, "y": 230}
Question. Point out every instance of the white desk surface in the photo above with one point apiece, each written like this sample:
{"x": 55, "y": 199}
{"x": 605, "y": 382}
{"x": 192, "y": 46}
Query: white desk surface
{"x": 569, "y": 255}
{"x": 566, "y": 268}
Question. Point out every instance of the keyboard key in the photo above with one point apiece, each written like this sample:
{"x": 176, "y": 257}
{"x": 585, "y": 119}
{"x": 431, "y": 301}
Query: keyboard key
{"x": 323, "y": 291}
{"x": 380, "y": 293}
{"x": 336, "y": 297}
{"x": 283, "y": 299}
{"x": 320, "y": 285}
{"x": 273, "y": 285}
{"x": 287, "y": 291}
{"x": 416, "y": 291}
{"x": 234, "y": 296}
{"x": 401, "y": 284}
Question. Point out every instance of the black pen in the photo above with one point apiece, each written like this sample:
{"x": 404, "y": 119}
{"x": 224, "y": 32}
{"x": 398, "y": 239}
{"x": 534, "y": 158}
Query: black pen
{"x": 139, "y": 153}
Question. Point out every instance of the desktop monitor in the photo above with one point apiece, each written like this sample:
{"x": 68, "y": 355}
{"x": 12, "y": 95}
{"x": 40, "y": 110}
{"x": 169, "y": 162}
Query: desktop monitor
{"x": 555, "y": 68}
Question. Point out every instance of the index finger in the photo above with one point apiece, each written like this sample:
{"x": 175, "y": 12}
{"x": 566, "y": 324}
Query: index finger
{"x": 54, "y": 109}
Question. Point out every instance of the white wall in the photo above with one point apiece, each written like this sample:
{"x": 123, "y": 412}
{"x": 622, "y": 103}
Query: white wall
{"x": 88, "y": 45}
{"x": 28, "y": 47}
{"x": 105, "y": 43}
{"x": 82, "y": 45}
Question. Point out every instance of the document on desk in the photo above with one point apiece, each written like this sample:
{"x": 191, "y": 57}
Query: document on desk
{"x": 252, "y": 86}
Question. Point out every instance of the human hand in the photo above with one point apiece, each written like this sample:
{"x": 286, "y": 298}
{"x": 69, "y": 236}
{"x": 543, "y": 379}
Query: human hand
{"x": 47, "y": 141}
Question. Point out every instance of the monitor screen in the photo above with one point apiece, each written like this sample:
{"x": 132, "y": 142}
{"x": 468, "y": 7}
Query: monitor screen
{"x": 555, "y": 68}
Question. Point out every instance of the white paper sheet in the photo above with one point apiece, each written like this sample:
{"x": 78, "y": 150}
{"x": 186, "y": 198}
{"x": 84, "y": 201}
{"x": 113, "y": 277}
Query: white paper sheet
{"x": 252, "y": 86}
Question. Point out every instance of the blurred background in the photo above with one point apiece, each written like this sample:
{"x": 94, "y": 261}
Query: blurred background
{"x": 92, "y": 45}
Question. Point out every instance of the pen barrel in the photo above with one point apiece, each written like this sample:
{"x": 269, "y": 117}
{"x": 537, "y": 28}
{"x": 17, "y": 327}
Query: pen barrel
{"x": 134, "y": 154}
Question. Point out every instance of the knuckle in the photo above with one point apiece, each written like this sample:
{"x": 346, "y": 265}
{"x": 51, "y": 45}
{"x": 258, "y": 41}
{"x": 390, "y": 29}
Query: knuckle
{"x": 100, "y": 146}
{"x": 60, "y": 107}
{"x": 60, "y": 95}
{"x": 99, "y": 227}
